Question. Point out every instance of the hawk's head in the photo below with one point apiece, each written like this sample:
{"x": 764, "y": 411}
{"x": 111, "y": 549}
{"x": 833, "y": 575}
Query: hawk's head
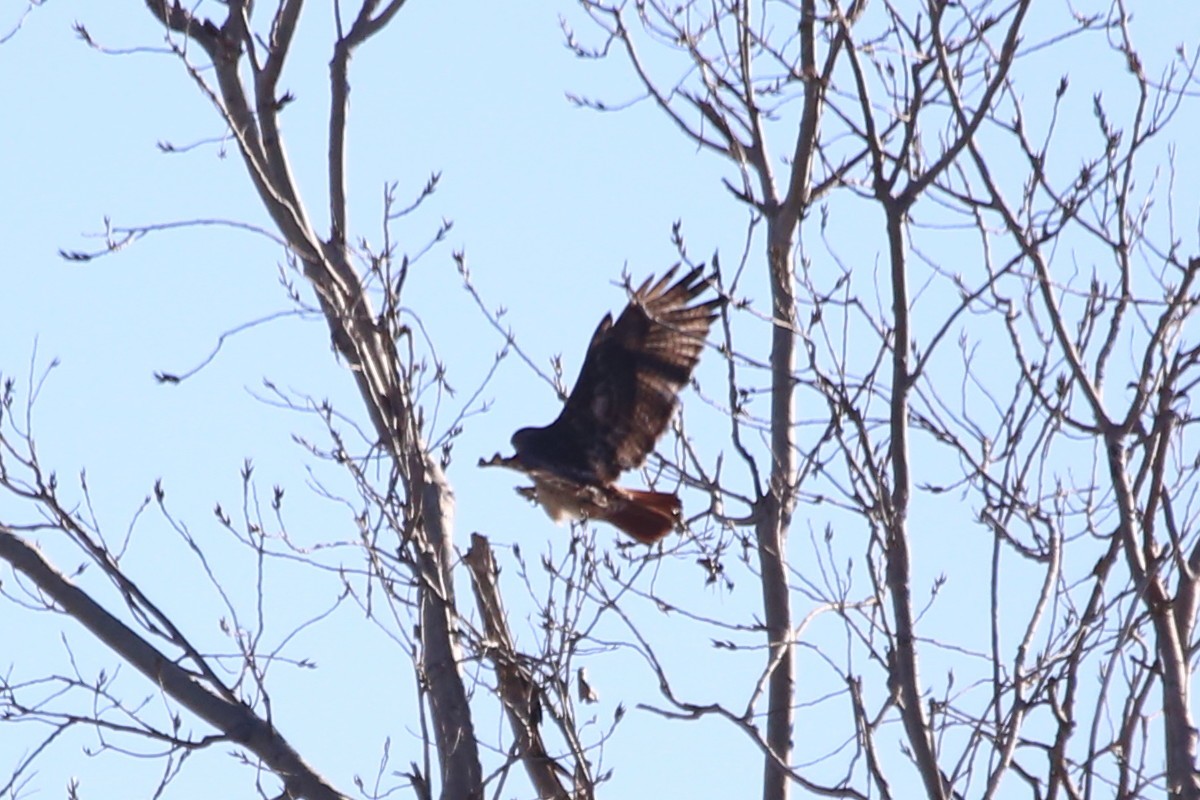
{"x": 537, "y": 448}
{"x": 526, "y": 439}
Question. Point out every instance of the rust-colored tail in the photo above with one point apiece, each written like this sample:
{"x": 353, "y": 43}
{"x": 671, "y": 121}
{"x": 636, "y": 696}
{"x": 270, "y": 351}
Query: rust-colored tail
{"x": 646, "y": 516}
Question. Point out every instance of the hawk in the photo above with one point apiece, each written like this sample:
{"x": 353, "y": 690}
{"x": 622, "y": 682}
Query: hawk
{"x": 623, "y": 399}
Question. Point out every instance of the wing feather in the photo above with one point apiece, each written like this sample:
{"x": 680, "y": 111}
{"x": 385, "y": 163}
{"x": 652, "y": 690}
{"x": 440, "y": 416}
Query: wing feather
{"x": 631, "y": 376}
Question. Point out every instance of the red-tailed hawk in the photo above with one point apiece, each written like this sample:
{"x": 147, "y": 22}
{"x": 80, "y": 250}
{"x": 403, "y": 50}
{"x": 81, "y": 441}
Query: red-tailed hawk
{"x": 622, "y": 401}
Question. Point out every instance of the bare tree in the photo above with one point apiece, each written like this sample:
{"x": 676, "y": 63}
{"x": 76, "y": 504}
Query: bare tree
{"x": 964, "y": 392}
{"x": 404, "y": 527}
{"x": 957, "y": 435}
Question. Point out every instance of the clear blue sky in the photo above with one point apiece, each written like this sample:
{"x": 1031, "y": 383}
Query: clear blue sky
{"x": 550, "y": 203}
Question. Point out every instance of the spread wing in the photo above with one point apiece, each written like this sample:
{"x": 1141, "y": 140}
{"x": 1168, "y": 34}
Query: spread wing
{"x": 632, "y": 374}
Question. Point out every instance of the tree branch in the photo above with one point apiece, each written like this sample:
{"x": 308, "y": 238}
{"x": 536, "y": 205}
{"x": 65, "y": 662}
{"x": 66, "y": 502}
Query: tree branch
{"x": 235, "y": 720}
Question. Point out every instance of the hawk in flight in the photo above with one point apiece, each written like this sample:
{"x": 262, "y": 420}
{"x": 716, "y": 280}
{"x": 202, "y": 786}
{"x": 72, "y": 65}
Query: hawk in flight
{"x": 621, "y": 404}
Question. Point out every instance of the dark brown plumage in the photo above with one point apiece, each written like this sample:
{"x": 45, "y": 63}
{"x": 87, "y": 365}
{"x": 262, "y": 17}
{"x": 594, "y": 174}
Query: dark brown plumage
{"x": 621, "y": 404}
